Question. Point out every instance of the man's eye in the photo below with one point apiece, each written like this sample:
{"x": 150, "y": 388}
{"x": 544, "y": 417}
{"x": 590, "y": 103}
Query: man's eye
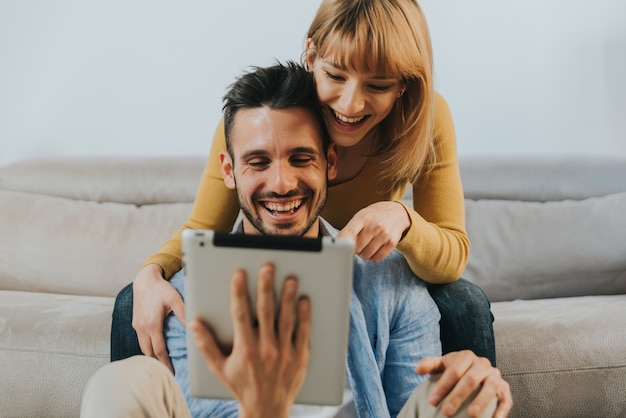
{"x": 258, "y": 163}
{"x": 301, "y": 160}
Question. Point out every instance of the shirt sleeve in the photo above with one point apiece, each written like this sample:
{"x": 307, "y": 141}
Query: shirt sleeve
{"x": 436, "y": 245}
{"x": 215, "y": 207}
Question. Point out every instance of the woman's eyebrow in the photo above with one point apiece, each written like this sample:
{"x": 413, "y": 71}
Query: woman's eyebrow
{"x": 380, "y": 77}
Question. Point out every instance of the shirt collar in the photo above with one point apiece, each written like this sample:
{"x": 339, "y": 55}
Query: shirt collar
{"x": 326, "y": 229}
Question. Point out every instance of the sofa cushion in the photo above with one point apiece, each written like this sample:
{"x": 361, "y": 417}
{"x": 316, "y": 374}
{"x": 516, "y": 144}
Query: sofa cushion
{"x": 49, "y": 347}
{"x": 563, "y": 357}
{"x": 530, "y": 250}
{"x": 135, "y": 180}
{"x": 59, "y": 245}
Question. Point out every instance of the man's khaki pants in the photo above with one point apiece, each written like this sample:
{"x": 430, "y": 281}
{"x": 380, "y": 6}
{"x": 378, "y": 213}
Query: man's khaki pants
{"x": 143, "y": 387}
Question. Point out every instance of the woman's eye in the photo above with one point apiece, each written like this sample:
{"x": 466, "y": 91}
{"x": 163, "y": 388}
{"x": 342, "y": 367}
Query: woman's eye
{"x": 332, "y": 76}
{"x": 378, "y": 88}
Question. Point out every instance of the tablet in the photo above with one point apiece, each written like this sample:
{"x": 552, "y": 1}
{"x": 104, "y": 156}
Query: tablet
{"x": 324, "y": 270}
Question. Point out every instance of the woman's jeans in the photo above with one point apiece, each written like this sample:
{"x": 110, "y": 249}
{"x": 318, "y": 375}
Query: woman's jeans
{"x": 466, "y": 321}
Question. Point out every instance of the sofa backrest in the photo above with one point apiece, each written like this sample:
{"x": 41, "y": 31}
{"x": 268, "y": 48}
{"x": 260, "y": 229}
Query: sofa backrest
{"x": 539, "y": 227}
{"x": 129, "y": 180}
{"x": 85, "y": 225}
{"x": 546, "y": 226}
{"x": 541, "y": 178}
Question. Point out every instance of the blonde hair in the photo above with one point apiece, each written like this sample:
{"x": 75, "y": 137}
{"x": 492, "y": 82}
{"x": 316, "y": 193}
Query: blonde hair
{"x": 391, "y": 38}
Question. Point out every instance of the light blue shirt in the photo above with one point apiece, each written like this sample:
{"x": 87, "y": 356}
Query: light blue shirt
{"x": 393, "y": 324}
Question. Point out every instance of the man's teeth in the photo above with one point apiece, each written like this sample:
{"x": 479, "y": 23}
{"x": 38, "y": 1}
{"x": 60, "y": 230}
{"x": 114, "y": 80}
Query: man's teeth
{"x": 346, "y": 119}
{"x": 283, "y": 207}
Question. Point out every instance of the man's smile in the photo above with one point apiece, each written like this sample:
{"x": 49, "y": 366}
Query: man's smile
{"x": 284, "y": 207}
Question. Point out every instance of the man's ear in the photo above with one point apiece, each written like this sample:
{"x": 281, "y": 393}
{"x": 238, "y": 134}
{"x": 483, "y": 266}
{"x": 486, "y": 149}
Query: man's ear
{"x": 331, "y": 158}
{"x": 226, "y": 164}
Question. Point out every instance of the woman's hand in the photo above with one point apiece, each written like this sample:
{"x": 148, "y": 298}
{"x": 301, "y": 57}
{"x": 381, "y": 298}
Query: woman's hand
{"x": 153, "y": 299}
{"x": 377, "y": 229}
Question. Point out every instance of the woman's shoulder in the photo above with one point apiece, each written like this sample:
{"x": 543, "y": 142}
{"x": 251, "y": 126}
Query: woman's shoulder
{"x": 442, "y": 109}
{"x": 444, "y": 125}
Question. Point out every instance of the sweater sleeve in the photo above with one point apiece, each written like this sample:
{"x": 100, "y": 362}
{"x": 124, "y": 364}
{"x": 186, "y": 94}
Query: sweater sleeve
{"x": 436, "y": 245}
{"x": 215, "y": 207}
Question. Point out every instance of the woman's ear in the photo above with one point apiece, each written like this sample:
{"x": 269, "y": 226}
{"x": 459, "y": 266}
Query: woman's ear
{"x": 331, "y": 158}
{"x": 226, "y": 164}
{"x": 309, "y": 52}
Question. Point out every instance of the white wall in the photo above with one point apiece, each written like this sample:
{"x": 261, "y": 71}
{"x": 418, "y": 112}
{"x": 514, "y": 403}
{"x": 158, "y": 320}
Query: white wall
{"x": 146, "y": 77}
{"x": 533, "y": 76}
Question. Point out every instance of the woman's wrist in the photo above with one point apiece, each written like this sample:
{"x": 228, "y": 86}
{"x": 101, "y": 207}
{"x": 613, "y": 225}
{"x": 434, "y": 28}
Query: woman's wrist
{"x": 408, "y": 223}
{"x": 151, "y": 270}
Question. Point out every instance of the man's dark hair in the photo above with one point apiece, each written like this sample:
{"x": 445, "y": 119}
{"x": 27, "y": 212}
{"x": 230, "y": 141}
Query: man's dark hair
{"x": 280, "y": 86}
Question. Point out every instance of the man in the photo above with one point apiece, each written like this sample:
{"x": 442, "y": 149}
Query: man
{"x": 279, "y": 159}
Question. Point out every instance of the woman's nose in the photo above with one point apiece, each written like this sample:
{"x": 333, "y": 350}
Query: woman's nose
{"x": 352, "y": 100}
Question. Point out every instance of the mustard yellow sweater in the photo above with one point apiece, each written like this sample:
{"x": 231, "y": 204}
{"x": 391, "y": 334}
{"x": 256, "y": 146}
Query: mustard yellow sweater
{"x": 436, "y": 245}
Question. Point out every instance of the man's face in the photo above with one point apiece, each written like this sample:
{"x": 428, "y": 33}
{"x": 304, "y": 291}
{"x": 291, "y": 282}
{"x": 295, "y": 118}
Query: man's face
{"x": 279, "y": 170}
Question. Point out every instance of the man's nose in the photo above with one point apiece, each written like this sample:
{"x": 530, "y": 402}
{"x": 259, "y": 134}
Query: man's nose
{"x": 283, "y": 178}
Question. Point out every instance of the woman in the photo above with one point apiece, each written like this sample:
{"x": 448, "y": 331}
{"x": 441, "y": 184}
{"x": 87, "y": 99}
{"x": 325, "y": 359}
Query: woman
{"x": 372, "y": 63}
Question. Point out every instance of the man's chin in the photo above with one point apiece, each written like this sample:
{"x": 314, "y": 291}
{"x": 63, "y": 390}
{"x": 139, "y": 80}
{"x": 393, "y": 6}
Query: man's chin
{"x": 295, "y": 226}
{"x": 285, "y": 229}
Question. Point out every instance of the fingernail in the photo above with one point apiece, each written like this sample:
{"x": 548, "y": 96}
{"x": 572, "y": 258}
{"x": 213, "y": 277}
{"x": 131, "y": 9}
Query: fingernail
{"x": 447, "y": 408}
{"x": 291, "y": 287}
{"x": 474, "y": 410}
{"x": 434, "y": 399}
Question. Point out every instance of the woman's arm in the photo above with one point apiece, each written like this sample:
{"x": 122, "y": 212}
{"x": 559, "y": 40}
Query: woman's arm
{"x": 215, "y": 207}
{"x": 431, "y": 234}
{"x": 436, "y": 244}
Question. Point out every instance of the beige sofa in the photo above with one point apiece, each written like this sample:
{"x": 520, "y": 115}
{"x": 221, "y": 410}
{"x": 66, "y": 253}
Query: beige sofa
{"x": 548, "y": 247}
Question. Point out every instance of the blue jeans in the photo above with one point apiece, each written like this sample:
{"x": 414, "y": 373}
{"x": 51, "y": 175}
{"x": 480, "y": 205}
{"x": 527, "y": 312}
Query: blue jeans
{"x": 393, "y": 324}
{"x": 466, "y": 321}
{"x": 124, "y": 342}
{"x": 466, "y": 318}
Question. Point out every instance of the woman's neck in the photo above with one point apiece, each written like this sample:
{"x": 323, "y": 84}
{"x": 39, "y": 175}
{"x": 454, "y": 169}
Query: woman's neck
{"x": 351, "y": 160}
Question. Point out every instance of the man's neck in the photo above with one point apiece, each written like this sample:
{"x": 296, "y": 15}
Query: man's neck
{"x": 246, "y": 228}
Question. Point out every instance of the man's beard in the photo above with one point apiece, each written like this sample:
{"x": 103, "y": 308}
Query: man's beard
{"x": 276, "y": 228}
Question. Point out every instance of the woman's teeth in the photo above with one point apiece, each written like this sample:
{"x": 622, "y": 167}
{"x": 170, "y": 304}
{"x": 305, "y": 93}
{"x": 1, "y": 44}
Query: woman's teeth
{"x": 345, "y": 119}
{"x": 283, "y": 207}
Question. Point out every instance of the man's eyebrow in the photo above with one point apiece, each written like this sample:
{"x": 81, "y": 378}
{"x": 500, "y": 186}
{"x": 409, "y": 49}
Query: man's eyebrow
{"x": 253, "y": 154}
{"x": 261, "y": 153}
{"x": 304, "y": 150}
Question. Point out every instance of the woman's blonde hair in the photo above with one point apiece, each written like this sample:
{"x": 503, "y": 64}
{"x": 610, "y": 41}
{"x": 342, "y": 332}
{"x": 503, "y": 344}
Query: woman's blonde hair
{"x": 391, "y": 38}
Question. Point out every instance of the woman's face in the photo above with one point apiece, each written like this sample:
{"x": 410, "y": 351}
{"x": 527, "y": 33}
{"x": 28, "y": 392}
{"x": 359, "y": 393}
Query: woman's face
{"x": 353, "y": 101}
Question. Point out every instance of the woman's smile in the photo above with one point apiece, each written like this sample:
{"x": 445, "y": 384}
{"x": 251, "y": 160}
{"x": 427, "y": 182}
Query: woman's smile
{"x": 346, "y": 120}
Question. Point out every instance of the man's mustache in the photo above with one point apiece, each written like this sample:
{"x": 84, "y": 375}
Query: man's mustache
{"x": 291, "y": 193}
